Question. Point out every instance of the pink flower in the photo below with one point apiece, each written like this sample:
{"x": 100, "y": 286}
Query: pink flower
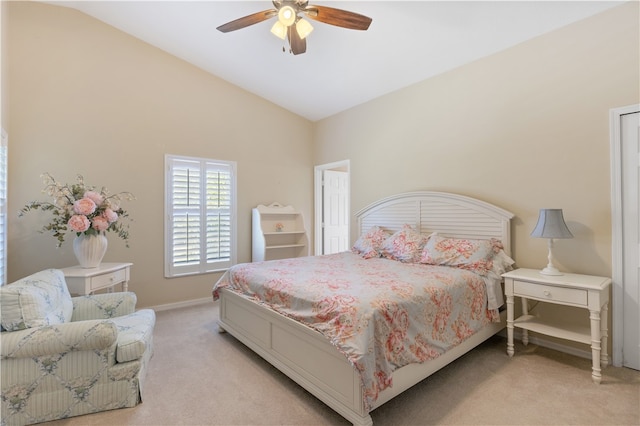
{"x": 78, "y": 223}
{"x": 94, "y": 196}
{"x": 110, "y": 215}
{"x": 100, "y": 223}
{"x": 84, "y": 206}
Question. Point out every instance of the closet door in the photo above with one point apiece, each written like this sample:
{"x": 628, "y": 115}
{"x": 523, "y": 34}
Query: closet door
{"x": 630, "y": 155}
{"x": 3, "y": 206}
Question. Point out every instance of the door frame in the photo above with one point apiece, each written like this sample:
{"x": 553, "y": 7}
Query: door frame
{"x": 344, "y": 165}
{"x": 617, "y": 311}
{"x": 4, "y": 146}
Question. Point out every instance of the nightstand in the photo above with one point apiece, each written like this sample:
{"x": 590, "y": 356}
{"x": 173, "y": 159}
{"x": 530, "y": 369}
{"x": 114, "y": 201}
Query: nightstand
{"x": 583, "y": 291}
{"x": 87, "y": 280}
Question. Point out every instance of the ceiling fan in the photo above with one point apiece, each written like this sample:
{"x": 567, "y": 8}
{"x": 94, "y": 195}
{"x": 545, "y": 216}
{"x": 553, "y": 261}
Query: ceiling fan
{"x": 292, "y": 27}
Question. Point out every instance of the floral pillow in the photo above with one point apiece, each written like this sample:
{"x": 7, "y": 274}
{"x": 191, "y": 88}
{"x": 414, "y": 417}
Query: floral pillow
{"x": 474, "y": 255}
{"x": 370, "y": 243}
{"x": 501, "y": 264}
{"x": 405, "y": 245}
{"x": 34, "y": 301}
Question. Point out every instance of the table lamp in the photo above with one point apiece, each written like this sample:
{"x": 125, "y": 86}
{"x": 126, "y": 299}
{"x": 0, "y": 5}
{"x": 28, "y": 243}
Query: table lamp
{"x": 551, "y": 225}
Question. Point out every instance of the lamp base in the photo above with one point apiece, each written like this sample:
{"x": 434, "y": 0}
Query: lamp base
{"x": 550, "y": 270}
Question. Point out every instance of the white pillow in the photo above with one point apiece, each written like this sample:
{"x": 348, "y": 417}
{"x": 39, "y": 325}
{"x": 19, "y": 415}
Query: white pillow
{"x": 35, "y": 301}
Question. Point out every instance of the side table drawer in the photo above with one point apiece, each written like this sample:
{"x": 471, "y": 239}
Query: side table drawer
{"x": 550, "y": 293}
{"x": 108, "y": 280}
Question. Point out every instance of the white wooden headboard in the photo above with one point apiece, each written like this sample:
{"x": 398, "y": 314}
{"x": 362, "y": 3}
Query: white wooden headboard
{"x": 451, "y": 215}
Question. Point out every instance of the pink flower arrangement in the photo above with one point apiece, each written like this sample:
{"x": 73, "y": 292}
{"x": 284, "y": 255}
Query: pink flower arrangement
{"x": 81, "y": 209}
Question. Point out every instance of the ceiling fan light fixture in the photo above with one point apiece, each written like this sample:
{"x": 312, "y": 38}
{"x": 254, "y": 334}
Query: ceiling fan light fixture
{"x": 289, "y": 25}
{"x": 287, "y": 16}
{"x": 279, "y": 30}
{"x": 304, "y": 28}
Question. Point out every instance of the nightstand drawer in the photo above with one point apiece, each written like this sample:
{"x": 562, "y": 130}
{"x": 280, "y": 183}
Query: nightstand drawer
{"x": 550, "y": 293}
{"x": 108, "y": 280}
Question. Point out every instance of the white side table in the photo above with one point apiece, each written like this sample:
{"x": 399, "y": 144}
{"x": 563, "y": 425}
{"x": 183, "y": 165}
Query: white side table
{"x": 583, "y": 291}
{"x": 87, "y": 280}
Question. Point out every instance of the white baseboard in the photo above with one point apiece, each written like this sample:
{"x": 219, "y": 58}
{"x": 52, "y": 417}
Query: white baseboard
{"x": 183, "y": 304}
{"x": 541, "y": 341}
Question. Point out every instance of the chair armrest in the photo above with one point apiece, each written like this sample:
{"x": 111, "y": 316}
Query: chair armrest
{"x": 103, "y": 306}
{"x": 58, "y": 338}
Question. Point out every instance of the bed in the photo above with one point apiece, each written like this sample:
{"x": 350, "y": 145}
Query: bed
{"x": 319, "y": 363}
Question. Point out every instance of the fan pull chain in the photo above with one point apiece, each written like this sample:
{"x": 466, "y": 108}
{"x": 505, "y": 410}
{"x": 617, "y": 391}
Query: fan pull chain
{"x": 284, "y": 50}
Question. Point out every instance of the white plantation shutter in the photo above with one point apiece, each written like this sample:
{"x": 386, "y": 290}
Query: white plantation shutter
{"x": 218, "y": 207}
{"x": 200, "y": 225}
{"x": 3, "y": 208}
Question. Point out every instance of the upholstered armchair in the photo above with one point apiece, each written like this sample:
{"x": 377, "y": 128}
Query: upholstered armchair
{"x": 64, "y": 356}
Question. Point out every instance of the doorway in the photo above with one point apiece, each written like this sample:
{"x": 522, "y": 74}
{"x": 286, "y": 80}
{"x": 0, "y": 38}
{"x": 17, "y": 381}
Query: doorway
{"x": 332, "y": 207}
{"x": 625, "y": 204}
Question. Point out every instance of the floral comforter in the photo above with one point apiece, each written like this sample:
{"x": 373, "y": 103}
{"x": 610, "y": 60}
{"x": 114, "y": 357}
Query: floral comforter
{"x": 381, "y": 314}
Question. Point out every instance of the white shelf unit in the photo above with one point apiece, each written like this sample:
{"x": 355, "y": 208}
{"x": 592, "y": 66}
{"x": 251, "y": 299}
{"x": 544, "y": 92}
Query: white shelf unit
{"x": 278, "y": 233}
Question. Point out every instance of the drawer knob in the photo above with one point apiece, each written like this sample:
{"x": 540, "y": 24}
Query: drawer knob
{"x": 547, "y": 293}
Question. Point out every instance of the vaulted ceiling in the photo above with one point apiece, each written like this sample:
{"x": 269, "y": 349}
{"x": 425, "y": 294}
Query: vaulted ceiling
{"x": 408, "y": 41}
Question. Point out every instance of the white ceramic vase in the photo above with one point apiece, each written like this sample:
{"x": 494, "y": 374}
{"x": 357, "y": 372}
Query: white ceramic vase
{"x": 90, "y": 249}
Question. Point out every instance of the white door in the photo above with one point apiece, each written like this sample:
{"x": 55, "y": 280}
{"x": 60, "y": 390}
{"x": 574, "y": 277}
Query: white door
{"x": 335, "y": 211}
{"x": 630, "y": 153}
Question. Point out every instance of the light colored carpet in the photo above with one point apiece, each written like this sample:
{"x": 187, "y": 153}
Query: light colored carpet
{"x": 200, "y": 377}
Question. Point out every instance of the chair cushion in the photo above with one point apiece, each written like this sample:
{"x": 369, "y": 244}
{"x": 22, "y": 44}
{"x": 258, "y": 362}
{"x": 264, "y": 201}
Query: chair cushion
{"x": 135, "y": 334}
{"x": 34, "y": 301}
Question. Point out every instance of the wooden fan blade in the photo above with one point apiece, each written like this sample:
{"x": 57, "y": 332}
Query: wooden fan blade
{"x": 245, "y": 21}
{"x": 338, "y": 17}
{"x": 298, "y": 45}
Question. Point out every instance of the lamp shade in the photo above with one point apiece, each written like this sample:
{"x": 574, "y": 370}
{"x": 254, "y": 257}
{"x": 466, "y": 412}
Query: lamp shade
{"x": 551, "y": 225}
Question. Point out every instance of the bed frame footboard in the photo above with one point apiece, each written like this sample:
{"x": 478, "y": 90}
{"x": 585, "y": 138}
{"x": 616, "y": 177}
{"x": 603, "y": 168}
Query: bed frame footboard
{"x": 299, "y": 352}
{"x": 308, "y": 358}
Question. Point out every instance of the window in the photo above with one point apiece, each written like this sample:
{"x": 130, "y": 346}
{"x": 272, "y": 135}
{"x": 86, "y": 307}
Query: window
{"x": 200, "y": 223}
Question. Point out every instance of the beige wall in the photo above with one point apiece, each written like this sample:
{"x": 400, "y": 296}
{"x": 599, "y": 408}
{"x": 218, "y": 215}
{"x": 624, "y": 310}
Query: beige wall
{"x": 86, "y": 98}
{"x": 524, "y": 129}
